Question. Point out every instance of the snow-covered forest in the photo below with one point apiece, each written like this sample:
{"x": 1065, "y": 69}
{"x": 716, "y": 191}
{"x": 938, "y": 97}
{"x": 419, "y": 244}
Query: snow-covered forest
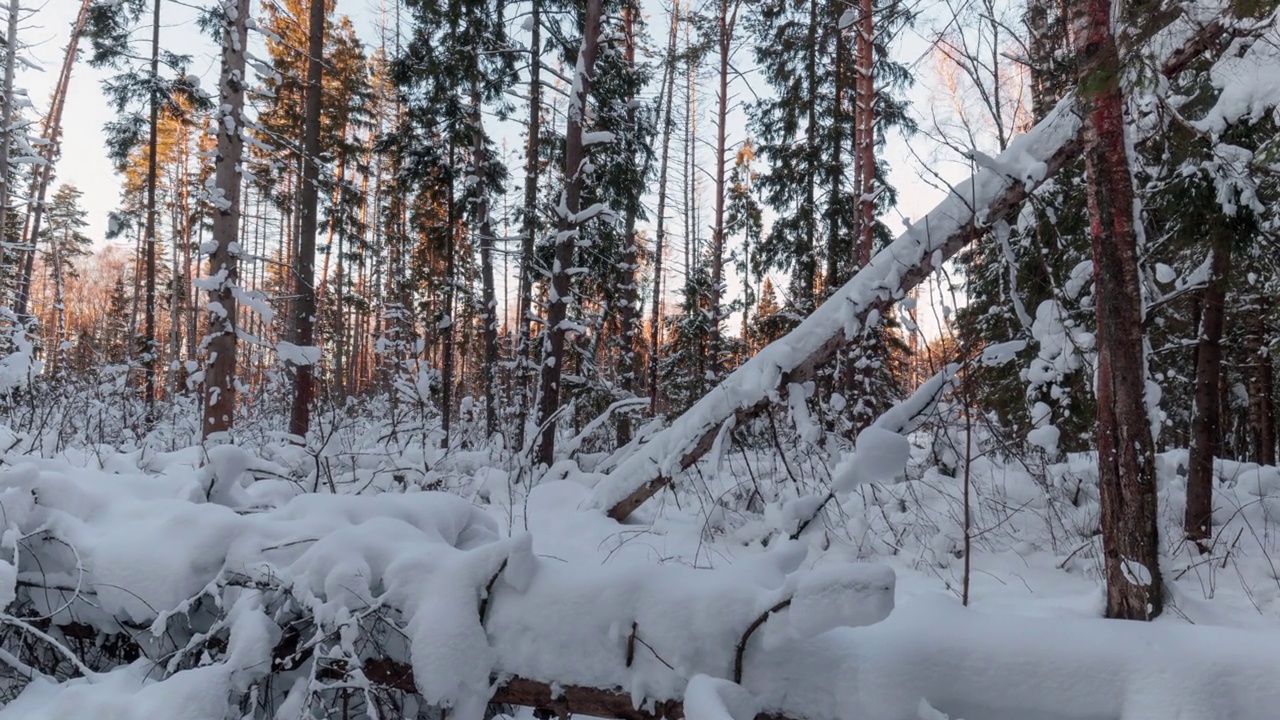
{"x": 478, "y": 359}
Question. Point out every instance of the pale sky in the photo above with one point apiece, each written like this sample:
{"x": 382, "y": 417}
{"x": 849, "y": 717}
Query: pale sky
{"x": 84, "y": 161}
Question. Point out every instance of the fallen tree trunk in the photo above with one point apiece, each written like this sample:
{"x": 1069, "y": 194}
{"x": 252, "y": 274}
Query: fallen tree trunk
{"x": 966, "y": 214}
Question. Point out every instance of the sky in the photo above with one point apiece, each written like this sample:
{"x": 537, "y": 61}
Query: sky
{"x": 85, "y": 163}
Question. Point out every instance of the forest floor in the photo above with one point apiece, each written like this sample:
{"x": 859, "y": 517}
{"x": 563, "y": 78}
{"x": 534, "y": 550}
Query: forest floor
{"x": 1030, "y": 643}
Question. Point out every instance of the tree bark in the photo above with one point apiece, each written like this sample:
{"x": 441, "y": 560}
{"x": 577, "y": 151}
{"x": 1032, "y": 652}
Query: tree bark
{"x": 224, "y": 272}
{"x": 556, "y": 328}
{"x": 305, "y": 266}
{"x": 1126, "y": 450}
{"x": 1207, "y": 415}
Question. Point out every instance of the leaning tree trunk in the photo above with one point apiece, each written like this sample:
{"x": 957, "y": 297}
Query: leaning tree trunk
{"x": 43, "y": 173}
{"x": 1126, "y": 449}
{"x": 224, "y": 272}
{"x": 963, "y": 216}
{"x": 305, "y": 267}
{"x": 1207, "y": 416}
{"x": 575, "y": 162}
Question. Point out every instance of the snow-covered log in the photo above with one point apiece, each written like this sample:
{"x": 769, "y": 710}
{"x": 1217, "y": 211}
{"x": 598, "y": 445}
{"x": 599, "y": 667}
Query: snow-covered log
{"x": 965, "y": 215}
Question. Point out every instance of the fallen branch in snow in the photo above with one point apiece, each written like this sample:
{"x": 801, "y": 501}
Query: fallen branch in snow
{"x": 901, "y": 419}
{"x": 965, "y": 215}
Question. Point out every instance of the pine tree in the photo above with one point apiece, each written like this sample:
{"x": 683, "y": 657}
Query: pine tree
{"x": 65, "y": 240}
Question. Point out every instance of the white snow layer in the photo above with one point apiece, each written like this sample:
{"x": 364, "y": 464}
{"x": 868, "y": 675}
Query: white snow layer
{"x": 146, "y": 549}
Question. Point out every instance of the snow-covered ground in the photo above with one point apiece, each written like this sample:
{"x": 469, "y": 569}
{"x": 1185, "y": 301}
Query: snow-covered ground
{"x": 241, "y": 582}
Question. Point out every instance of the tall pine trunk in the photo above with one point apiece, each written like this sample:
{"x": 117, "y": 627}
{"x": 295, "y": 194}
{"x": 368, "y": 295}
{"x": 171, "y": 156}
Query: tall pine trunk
{"x": 304, "y": 280}
{"x": 224, "y": 272}
{"x": 660, "y": 234}
{"x": 630, "y": 295}
{"x": 724, "y": 42}
{"x": 489, "y": 311}
{"x": 865, "y": 136}
{"x": 1126, "y": 452}
{"x": 149, "y": 347}
{"x": 446, "y": 320}
{"x": 529, "y": 228}
{"x": 1207, "y": 415}
{"x": 566, "y": 237}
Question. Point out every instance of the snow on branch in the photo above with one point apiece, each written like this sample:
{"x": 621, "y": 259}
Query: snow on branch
{"x": 965, "y": 215}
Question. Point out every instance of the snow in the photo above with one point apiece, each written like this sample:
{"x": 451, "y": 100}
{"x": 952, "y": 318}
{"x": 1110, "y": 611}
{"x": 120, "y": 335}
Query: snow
{"x": 846, "y": 631}
{"x": 756, "y": 379}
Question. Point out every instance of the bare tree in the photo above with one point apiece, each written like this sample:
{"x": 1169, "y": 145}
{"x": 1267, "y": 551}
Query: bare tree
{"x": 726, "y": 21}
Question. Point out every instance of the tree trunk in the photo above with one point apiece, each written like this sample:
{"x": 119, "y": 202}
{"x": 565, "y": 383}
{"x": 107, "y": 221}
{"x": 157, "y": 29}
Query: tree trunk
{"x": 724, "y": 41}
{"x": 6, "y": 118}
{"x": 447, "y": 323}
{"x": 149, "y": 308}
{"x": 1206, "y": 417}
{"x": 488, "y": 313}
{"x": 566, "y": 237}
{"x": 660, "y": 234}
{"x": 524, "y": 303}
{"x": 304, "y": 267}
{"x": 630, "y": 295}
{"x": 224, "y": 272}
{"x": 1261, "y": 386}
{"x": 1126, "y": 452}
{"x": 865, "y": 124}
